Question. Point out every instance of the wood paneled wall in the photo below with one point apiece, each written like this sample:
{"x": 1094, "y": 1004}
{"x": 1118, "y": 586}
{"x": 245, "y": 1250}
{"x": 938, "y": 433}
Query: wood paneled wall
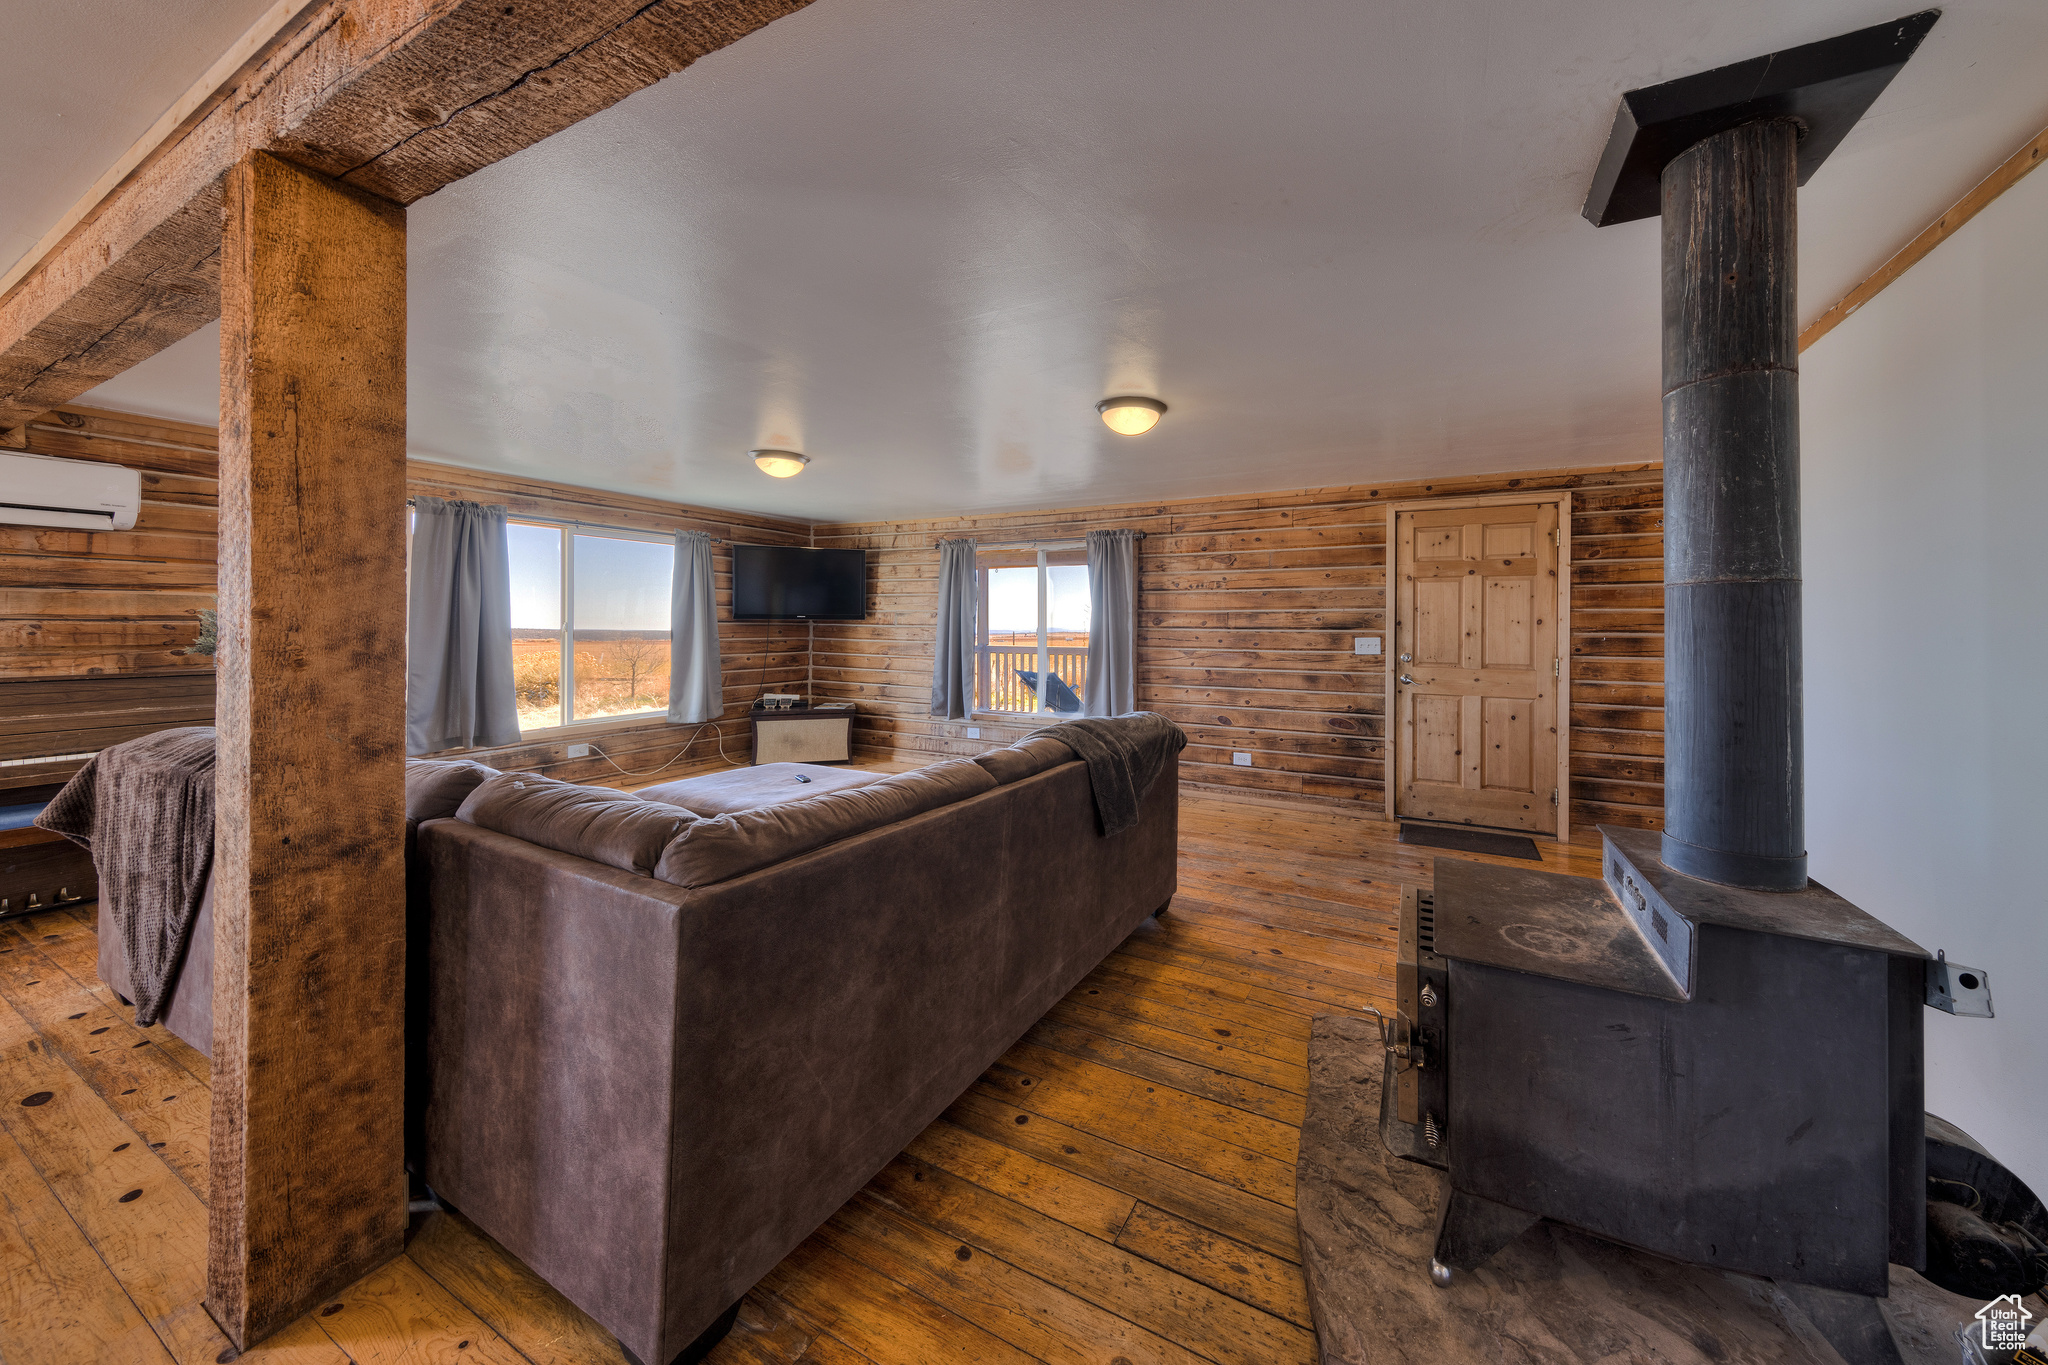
{"x": 81, "y": 603}
{"x": 1247, "y": 609}
{"x": 93, "y": 623}
{"x": 756, "y": 657}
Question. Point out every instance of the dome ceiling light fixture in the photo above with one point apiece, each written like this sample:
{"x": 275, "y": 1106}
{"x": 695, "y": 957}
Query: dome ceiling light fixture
{"x": 1130, "y": 415}
{"x": 780, "y": 464}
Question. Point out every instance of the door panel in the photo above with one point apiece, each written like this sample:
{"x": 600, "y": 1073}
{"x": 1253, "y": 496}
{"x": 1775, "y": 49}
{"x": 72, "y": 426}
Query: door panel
{"x": 1438, "y": 739}
{"x": 1507, "y": 626}
{"x": 1509, "y": 746}
{"x": 1439, "y": 627}
{"x": 1508, "y": 539}
{"x": 1475, "y": 633}
{"x": 1440, "y": 542}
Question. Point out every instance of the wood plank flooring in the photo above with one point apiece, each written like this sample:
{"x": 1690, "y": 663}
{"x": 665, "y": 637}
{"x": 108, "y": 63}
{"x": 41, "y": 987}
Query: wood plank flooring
{"x": 1117, "y": 1190}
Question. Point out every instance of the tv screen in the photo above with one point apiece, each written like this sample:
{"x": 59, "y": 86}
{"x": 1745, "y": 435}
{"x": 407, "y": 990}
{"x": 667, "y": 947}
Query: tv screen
{"x": 791, "y": 583}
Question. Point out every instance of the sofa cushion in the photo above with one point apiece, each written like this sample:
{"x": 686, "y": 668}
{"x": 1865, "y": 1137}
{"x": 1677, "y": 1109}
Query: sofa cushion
{"x": 435, "y": 788}
{"x": 728, "y": 846}
{"x": 767, "y": 784}
{"x": 598, "y": 823}
{"x": 1025, "y": 758}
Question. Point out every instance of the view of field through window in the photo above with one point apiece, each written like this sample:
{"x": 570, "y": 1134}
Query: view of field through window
{"x": 1007, "y": 654}
{"x": 617, "y": 625}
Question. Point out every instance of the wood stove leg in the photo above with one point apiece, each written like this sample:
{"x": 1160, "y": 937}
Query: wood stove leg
{"x": 1469, "y": 1230}
{"x": 1854, "y": 1324}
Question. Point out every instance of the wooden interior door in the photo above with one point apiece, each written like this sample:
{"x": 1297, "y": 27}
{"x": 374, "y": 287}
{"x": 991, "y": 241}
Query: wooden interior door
{"x": 1476, "y": 666}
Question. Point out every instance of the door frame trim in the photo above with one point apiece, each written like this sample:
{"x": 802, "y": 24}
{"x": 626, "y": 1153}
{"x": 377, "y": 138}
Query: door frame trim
{"x": 1563, "y": 498}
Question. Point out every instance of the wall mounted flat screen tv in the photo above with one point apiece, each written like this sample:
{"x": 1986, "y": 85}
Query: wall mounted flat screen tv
{"x": 791, "y": 583}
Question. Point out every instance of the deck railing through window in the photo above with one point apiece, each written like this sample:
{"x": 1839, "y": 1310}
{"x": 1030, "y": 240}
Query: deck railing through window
{"x": 1002, "y": 690}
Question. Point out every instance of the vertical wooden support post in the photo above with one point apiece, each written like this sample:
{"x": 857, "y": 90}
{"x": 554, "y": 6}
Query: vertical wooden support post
{"x": 308, "y": 1186}
{"x": 1734, "y": 748}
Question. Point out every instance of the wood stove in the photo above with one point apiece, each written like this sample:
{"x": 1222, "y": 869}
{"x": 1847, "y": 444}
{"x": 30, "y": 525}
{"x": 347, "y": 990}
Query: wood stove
{"x": 1726, "y": 1077}
{"x": 1704, "y": 1055}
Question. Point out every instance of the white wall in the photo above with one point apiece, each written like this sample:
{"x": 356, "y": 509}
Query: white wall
{"x": 1924, "y": 425}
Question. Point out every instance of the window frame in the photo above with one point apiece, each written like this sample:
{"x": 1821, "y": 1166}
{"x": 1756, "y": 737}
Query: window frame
{"x": 566, "y": 633}
{"x": 984, "y": 674}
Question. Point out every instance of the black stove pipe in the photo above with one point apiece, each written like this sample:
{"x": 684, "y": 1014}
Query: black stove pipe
{"x": 1734, "y": 746}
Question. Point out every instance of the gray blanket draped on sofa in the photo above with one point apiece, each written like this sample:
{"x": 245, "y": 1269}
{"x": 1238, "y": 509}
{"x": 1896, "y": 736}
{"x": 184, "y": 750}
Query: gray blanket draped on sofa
{"x": 145, "y": 810}
{"x": 1125, "y": 757}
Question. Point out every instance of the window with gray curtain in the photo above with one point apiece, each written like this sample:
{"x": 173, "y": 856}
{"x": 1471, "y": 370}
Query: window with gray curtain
{"x": 1111, "y": 688}
{"x": 458, "y": 670}
{"x": 696, "y": 683}
{"x": 953, "y": 653}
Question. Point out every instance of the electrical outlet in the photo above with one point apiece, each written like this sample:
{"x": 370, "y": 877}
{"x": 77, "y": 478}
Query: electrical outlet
{"x": 1365, "y": 644}
{"x": 974, "y": 732}
{"x": 579, "y": 751}
{"x": 1241, "y": 760}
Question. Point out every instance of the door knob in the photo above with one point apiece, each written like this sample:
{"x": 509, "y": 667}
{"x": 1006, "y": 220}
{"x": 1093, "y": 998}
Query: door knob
{"x": 1407, "y": 658}
{"x": 1408, "y": 680}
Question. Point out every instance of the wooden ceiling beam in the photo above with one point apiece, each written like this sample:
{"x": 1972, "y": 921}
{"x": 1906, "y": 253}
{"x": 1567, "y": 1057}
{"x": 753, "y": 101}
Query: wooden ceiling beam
{"x": 2009, "y": 173}
{"x": 396, "y": 97}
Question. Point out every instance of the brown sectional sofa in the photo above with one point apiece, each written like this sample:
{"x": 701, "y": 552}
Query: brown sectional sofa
{"x": 670, "y": 1034}
{"x": 655, "y": 1039}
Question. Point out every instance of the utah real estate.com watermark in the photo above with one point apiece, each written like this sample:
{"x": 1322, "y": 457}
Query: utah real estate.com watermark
{"x": 2002, "y": 1324}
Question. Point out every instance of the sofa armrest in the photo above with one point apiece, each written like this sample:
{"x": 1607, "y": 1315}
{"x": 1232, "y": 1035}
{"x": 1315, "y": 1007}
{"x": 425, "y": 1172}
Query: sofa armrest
{"x": 550, "y": 1042}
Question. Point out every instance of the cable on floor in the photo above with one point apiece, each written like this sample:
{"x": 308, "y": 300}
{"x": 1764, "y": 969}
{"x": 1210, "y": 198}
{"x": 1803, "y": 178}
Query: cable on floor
{"x": 694, "y": 736}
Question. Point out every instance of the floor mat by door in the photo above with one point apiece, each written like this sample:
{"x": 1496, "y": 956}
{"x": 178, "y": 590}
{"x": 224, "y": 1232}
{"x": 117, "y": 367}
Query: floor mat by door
{"x": 1471, "y": 841}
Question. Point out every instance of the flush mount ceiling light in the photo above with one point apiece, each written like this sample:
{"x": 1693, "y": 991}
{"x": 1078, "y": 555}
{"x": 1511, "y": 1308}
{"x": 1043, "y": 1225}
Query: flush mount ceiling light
{"x": 780, "y": 464}
{"x": 1130, "y": 415}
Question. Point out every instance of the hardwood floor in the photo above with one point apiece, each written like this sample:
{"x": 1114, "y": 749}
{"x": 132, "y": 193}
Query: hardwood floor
{"x": 1118, "y": 1189}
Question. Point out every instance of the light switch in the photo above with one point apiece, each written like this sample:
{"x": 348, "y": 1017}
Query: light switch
{"x": 1365, "y": 644}
{"x": 1241, "y": 760}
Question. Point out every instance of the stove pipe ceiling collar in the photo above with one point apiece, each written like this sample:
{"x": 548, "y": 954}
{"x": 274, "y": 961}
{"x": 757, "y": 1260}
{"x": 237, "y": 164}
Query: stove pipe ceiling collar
{"x": 1824, "y": 86}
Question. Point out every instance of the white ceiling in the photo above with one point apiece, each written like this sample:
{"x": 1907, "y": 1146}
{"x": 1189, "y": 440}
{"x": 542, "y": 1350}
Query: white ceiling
{"x": 918, "y": 239}
{"x": 84, "y": 79}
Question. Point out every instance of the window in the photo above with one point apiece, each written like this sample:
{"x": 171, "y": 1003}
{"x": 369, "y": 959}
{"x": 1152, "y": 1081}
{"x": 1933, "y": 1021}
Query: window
{"x": 590, "y": 623}
{"x": 1031, "y": 624}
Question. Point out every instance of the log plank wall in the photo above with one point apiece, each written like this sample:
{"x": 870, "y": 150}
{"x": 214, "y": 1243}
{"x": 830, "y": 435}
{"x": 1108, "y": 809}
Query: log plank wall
{"x": 93, "y": 625}
{"x": 1247, "y": 610}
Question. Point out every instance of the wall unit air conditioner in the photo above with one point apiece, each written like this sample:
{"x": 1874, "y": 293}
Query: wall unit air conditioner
{"x": 37, "y": 490}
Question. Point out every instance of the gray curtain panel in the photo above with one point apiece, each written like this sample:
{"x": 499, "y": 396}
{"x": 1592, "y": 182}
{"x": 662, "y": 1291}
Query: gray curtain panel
{"x": 953, "y": 658}
{"x": 458, "y": 671}
{"x": 696, "y": 685}
{"x": 1112, "y": 687}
